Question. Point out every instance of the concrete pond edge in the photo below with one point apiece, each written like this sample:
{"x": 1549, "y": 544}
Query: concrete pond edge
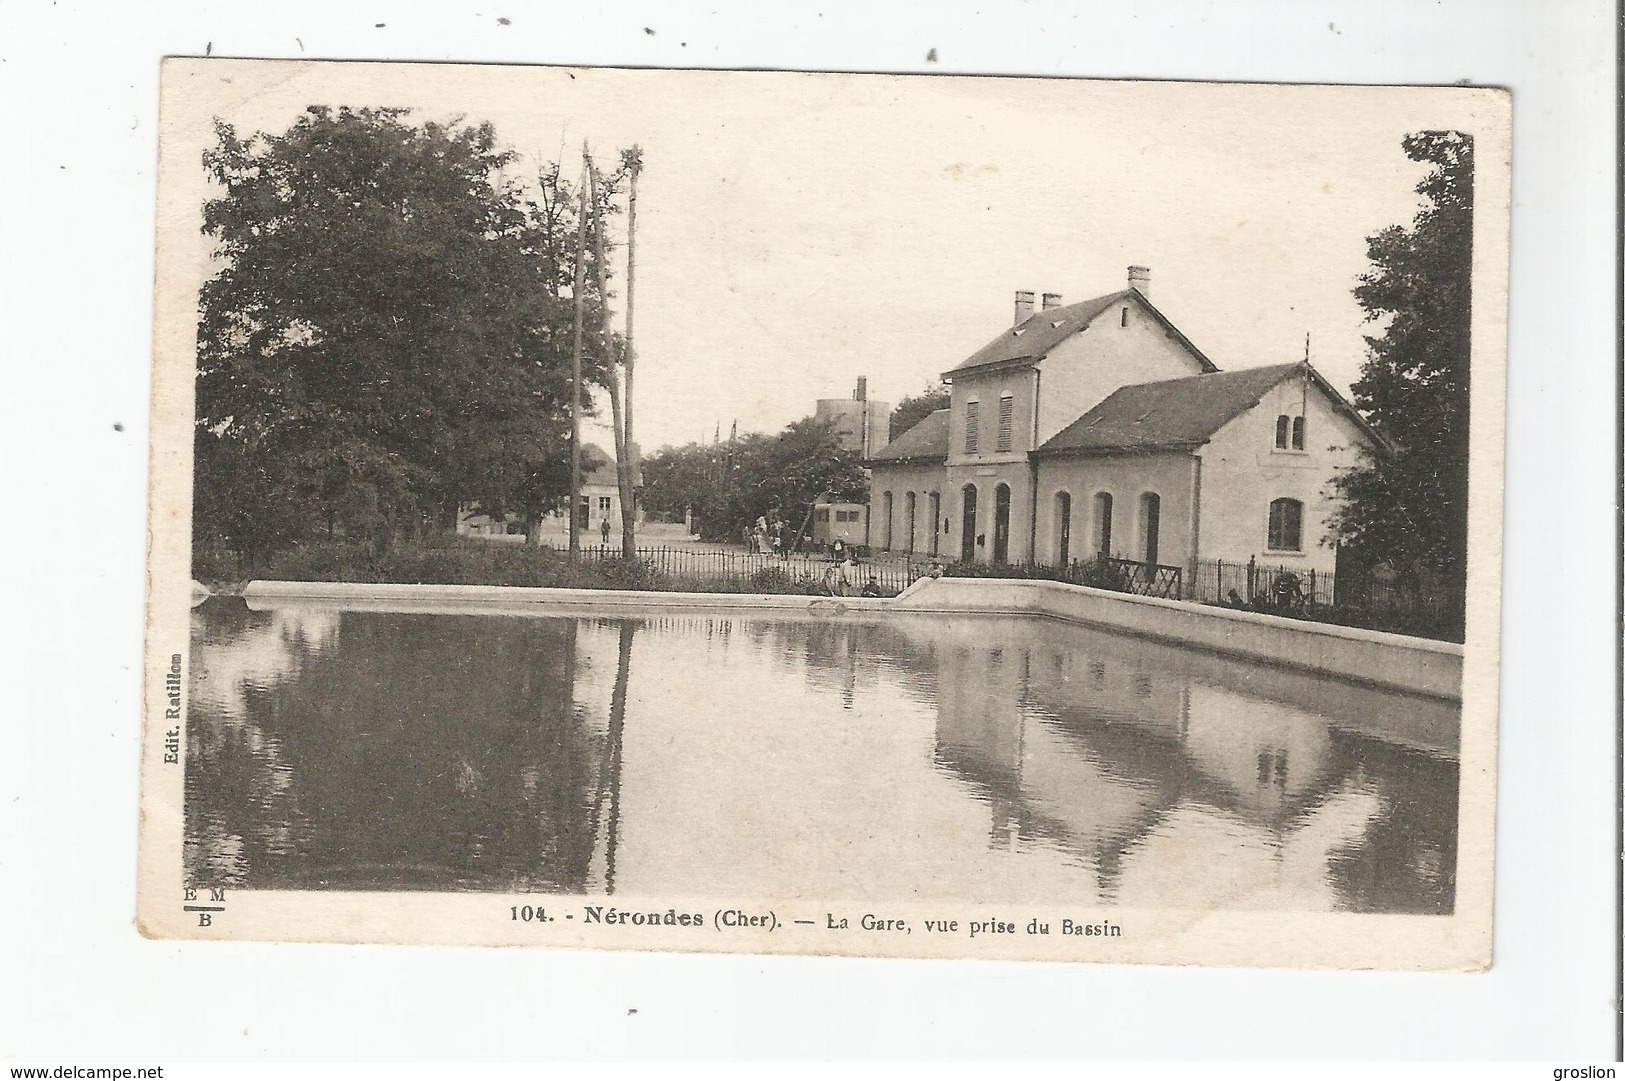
{"x": 1400, "y": 662}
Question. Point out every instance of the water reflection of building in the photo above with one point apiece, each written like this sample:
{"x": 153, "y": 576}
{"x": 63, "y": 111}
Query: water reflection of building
{"x": 1111, "y": 748}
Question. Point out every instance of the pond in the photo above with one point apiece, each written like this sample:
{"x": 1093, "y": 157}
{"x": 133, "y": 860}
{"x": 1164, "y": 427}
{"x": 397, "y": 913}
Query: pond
{"x": 858, "y": 756}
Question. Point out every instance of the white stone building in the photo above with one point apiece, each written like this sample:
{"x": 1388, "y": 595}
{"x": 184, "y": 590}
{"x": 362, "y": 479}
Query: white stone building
{"x": 1098, "y": 429}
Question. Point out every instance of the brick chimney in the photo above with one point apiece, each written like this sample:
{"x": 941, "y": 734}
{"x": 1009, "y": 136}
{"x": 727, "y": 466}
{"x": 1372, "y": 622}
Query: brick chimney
{"x": 1139, "y": 277}
{"x": 1024, "y": 305}
{"x": 861, "y": 394}
{"x": 1052, "y": 300}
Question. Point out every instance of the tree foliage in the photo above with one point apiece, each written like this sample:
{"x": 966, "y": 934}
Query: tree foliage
{"x": 728, "y": 485}
{"x": 916, "y": 407}
{"x": 387, "y": 335}
{"x": 1409, "y": 508}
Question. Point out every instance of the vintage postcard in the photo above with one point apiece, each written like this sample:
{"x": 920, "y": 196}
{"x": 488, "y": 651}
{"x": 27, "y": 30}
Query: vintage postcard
{"x": 915, "y": 516}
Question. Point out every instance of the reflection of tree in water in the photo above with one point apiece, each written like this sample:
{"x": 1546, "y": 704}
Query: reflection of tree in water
{"x": 429, "y": 752}
{"x": 1407, "y": 859}
{"x": 606, "y": 803}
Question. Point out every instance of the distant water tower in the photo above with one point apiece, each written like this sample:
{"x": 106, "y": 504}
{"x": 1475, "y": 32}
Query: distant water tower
{"x": 861, "y": 424}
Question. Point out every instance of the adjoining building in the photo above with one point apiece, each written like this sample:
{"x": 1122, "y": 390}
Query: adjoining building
{"x": 600, "y": 501}
{"x": 1098, "y": 429}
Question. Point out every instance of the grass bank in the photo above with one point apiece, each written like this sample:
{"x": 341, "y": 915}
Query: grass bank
{"x": 454, "y": 560}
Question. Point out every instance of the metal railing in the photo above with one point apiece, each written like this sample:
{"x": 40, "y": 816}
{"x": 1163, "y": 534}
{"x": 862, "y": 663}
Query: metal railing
{"x": 1122, "y": 575}
{"x": 700, "y": 570}
{"x": 1379, "y": 599}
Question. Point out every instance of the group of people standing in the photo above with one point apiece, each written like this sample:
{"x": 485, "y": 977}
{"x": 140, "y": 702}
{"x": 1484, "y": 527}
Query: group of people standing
{"x": 768, "y": 537}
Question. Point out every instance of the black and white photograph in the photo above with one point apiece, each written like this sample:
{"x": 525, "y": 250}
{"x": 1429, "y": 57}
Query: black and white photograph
{"x": 881, "y": 515}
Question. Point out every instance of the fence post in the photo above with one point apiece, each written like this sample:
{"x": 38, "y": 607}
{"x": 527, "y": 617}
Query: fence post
{"x": 1312, "y": 598}
{"x": 1252, "y": 573}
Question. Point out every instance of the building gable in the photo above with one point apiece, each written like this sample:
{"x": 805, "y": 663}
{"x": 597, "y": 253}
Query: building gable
{"x": 1057, "y": 363}
{"x": 1168, "y": 414}
{"x": 1035, "y": 337}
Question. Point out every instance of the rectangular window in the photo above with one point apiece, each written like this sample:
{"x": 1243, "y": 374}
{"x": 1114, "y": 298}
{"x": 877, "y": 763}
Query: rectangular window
{"x": 603, "y": 505}
{"x": 1007, "y": 414}
{"x": 1286, "y": 526}
{"x": 973, "y": 412}
{"x": 1297, "y": 433}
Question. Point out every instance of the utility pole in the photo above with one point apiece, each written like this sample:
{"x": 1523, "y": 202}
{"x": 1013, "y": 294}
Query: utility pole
{"x": 579, "y": 304}
{"x": 629, "y": 515}
{"x": 623, "y": 465}
{"x": 634, "y": 164}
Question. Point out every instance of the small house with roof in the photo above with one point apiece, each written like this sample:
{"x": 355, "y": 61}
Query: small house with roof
{"x": 600, "y": 500}
{"x": 1099, "y": 429}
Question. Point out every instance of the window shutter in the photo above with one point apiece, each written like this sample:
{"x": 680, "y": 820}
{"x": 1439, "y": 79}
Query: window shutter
{"x": 1007, "y": 413}
{"x": 972, "y": 415}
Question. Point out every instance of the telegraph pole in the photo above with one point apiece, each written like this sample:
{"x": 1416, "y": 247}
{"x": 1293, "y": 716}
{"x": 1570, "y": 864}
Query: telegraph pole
{"x": 634, "y": 164}
{"x": 575, "y": 358}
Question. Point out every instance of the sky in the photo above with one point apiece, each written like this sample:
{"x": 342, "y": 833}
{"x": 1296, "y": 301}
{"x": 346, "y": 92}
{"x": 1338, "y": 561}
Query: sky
{"x": 796, "y": 231}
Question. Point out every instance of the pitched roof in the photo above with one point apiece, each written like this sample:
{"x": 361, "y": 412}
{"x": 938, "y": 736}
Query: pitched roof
{"x": 1035, "y": 336}
{"x": 598, "y": 467}
{"x": 927, "y": 439}
{"x": 1171, "y": 414}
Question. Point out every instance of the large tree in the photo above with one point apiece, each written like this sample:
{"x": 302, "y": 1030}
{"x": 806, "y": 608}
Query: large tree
{"x": 1409, "y": 508}
{"x": 387, "y": 334}
{"x": 728, "y": 485}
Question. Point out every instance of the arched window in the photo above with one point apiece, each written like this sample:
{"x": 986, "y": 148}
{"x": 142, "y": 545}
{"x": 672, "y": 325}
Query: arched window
{"x": 908, "y": 519}
{"x": 1297, "y": 433}
{"x": 1283, "y": 425}
{"x": 1103, "y": 525}
{"x": 1150, "y": 526}
{"x": 1063, "y": 528}
{"x": 938, "y": 527}
{"x": 1286, "y": 526}
{"x": 885, "y": 516}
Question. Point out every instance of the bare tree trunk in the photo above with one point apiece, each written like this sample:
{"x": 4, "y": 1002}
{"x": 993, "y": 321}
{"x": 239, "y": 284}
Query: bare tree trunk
{"x": 623, "y": 467}
{"x": 579, "y": 304}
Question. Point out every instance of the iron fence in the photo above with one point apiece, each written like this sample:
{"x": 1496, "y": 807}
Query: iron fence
{"x": 727, "y": 570}
{"x": 1122, "y": 575}
{"x": 1379, "y": 599}
{"x": 1374, "y": 599}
